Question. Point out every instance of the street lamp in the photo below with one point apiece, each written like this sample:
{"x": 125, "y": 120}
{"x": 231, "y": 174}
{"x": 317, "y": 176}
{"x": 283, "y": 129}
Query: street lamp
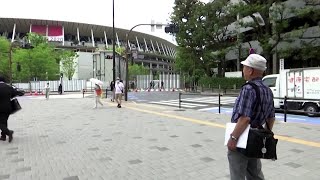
{"x": 127, "y": 51}
{"x": 113, "y": 46}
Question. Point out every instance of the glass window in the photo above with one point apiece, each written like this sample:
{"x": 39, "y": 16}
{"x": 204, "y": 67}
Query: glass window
{"x": 270, "y": 82}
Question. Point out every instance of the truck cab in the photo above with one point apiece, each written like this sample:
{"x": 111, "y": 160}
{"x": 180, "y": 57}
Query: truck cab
{"x": 272, "y": 81}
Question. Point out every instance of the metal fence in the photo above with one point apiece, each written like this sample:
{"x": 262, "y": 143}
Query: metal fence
{"x": 169, "y": 81}
{"x": 67, "y": 85}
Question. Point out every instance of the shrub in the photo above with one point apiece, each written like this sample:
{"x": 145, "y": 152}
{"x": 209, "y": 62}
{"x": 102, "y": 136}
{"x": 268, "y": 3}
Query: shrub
{"x": 225, "y": 83}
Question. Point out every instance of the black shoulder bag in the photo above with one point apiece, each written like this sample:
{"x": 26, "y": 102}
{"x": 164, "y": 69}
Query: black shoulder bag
{"x": 15, "y": 105}
{"x": 261, "y": 143}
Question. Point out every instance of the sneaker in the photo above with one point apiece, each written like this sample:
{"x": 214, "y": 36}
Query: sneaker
{"x": 3, "y": 138}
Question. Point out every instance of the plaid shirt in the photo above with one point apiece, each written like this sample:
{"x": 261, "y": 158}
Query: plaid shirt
{"x": 246, "y": 102}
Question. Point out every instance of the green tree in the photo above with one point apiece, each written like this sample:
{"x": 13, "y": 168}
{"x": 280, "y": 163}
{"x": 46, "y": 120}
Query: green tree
{"x": 136, "y": 69}
{"x": 201, "y": 33}
{"x": 36, "y": 39}
{"x": 68, "y": 63}
{"x": 4, "y": 56}
{"x": 270, "y": 23}
{"x": 38, "y": 62}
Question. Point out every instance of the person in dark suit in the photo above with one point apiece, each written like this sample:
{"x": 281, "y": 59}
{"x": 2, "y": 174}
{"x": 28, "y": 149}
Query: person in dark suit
{"x": 112, "y": 90}
{"x": 6, "y": 93}
{"x": 60, "y": 89}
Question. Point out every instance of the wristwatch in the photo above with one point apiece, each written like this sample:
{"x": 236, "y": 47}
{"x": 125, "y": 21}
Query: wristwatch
{"x": 233, "y": 137}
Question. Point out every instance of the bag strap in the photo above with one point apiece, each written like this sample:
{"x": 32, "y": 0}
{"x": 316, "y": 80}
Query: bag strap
{"x": 258, "y": 101}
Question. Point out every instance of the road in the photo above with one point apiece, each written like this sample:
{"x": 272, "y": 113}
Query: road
{"x": 208, "y": 104}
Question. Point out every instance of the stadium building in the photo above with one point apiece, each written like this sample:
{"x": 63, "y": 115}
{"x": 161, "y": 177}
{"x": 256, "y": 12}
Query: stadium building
{"x": 93, "y": 43}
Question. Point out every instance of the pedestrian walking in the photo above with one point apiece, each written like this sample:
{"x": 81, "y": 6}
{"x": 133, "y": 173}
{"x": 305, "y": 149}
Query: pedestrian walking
{"x": 119, "y": 91}
{"x": 47, "y": 89}
{"x": 244, "y": 113}
{"x": 98, "y": 94}
{"x": 112, "y": 90}
{"x": 60, "y": 89}
{"x": 7, "y": 92}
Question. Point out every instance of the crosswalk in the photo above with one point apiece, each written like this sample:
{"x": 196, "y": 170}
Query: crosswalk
{"x": 198, "y": 102}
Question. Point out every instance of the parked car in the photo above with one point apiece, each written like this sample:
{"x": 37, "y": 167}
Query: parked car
{"x": 21, "y": 92}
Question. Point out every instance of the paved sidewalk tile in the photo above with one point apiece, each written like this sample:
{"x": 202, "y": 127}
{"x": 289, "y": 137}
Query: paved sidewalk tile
{"x": 65, "y": 139}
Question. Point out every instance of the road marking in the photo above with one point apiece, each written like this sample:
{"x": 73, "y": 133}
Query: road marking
{"x": 147, "y": 105}
{"x": 197, "y": 121}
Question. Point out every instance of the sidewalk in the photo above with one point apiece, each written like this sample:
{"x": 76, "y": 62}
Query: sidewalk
{"x": 65, "y": 139}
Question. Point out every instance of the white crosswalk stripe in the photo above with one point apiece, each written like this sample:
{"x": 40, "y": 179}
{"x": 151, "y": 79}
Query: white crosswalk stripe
{"x": 198, "y": 102}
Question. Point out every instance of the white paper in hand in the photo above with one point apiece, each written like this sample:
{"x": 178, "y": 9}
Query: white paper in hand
{"x": 242, "y": 141}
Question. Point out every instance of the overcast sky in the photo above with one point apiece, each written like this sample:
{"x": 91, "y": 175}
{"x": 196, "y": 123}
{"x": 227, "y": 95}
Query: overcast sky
{"x": 127, "y": 12}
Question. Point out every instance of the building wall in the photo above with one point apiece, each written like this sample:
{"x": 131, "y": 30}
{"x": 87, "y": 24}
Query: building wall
{"x": 84, "y": 66}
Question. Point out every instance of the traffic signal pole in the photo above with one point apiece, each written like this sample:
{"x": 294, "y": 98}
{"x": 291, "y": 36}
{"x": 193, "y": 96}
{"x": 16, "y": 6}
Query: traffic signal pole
{"x": 127, "y": 52}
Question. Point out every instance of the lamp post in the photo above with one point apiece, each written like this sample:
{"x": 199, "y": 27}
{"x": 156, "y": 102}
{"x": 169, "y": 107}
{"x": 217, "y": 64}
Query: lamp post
{"x": 12, "y": 44}
{"x": 127, "y": 51}
{"x": 10, "y": 64}
{"x": 113, "y": 46}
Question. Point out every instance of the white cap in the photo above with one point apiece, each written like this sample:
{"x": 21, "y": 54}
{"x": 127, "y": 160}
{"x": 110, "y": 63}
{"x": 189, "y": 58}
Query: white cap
{"x": 118, "y": 78}
{"x": 255, "y": 61}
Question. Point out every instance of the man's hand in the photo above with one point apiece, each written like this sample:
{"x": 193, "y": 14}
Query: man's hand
{"x": 232, "y": 145}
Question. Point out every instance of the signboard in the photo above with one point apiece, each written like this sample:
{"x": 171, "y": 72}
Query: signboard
{"x": 52, "y": 33}
{"x": 233, "y": 74}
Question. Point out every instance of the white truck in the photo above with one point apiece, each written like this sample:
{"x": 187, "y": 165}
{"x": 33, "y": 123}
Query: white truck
{"x": 301, "y": 87}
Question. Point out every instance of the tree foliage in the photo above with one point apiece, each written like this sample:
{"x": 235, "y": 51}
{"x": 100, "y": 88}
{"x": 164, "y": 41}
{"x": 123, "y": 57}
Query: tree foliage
{"x": 4, "y": 57}
{"x": 39, "y": 61}
{"x": 201, "y": 33}
{"x": 136, "y": 69}
{"x": 208, "y": 31}
{"x": 68, "y": 64}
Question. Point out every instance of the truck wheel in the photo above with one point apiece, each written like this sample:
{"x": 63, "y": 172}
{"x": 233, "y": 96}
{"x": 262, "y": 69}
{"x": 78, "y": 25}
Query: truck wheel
{"x": 309, "y": 108}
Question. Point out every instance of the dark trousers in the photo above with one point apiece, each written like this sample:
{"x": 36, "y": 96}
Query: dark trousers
{"x": 4, "y": 124}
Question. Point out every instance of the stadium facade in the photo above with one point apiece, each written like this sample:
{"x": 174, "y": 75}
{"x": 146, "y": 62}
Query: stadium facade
{"x": 93, "y": 43}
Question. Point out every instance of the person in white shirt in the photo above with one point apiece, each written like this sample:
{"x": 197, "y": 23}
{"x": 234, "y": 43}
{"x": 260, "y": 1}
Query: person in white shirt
{"x": 47, "y": 90}
{"x": 119, "y": 87}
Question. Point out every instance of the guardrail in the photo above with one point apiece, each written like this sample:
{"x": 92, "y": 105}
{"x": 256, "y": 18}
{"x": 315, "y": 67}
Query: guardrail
{"x": 285, "y": 109}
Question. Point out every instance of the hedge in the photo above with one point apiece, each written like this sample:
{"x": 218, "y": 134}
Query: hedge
{"x": 225, "y": 83}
